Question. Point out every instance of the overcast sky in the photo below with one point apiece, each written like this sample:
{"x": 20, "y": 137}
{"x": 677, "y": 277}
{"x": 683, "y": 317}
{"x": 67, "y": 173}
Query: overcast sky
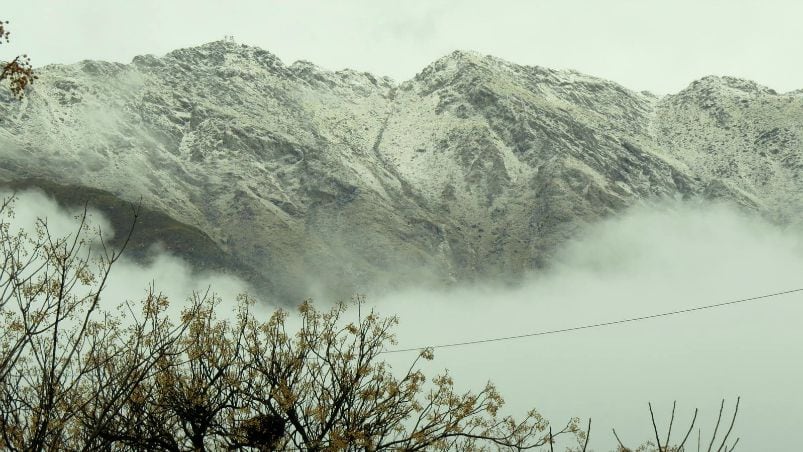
{"x": 659, "y": 46}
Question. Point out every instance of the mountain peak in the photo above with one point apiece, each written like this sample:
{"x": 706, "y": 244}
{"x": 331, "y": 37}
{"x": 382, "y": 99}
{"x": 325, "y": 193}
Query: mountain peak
{"x": 464, "y": 56}
{"x": 456, "y": 62}
{"x": 732, "y": 85}
{"x": 222, "y": 53}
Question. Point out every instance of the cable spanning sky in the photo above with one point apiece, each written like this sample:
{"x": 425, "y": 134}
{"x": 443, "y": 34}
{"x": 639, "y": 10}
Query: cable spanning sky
{"x": 660, "y": 46}
{"x": 589, "y": 326}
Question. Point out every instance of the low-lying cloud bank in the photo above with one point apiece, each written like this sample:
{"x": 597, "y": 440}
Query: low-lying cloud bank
{"x": 649, "y": 260}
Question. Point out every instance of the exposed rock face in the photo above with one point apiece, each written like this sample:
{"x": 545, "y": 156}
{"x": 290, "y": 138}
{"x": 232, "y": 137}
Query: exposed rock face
{"x": 339, "y": 181}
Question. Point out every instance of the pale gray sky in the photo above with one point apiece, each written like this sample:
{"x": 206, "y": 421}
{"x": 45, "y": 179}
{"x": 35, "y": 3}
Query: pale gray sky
{"x": 659, "y": 46}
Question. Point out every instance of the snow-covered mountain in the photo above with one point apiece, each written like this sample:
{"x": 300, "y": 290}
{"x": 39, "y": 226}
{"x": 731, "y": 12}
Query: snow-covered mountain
{"x": 329, "y": 182}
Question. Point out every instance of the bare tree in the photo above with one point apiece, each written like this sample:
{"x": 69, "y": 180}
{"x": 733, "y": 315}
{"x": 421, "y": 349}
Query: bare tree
{"x": 666, "y": 445}
{"x": 56, "y": 338}
{"x": 328, "y": 384}
{"x": 49, "y": 300}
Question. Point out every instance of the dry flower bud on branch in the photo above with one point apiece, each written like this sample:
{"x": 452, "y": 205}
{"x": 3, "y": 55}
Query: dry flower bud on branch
{"x": 18, "y": 71}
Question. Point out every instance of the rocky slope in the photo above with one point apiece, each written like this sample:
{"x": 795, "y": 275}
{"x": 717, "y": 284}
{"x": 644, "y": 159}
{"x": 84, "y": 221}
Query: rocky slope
{"x": 323, "y": 182}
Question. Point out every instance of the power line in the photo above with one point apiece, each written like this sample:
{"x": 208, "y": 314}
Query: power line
{"x": 596, "y": 325}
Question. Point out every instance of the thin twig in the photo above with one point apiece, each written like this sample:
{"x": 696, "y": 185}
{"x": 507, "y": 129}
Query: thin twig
{"x": 654, "y": 427}
{"x": 733, "y": 420}
{"x": 716, "y": 427}
{"x": 588, "y": 435}
{"x": 671, "y": 421}
{"x": 680, "y": 447}
{"x": 619, "y": 440}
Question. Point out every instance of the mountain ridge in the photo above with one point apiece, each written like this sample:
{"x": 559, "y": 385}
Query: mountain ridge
{"x": 476, "y": 167}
